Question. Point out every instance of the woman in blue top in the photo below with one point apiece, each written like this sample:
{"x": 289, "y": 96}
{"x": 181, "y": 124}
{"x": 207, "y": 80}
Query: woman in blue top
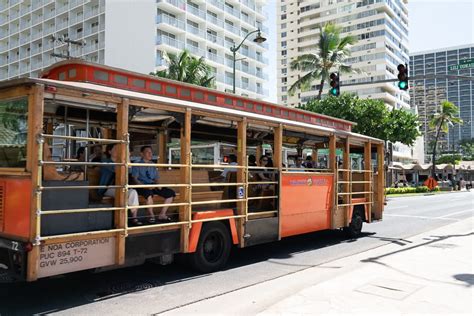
{"x": 149, "y": 175}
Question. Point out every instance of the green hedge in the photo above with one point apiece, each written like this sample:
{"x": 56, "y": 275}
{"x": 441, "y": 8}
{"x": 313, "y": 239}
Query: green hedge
{"x": 404, "y": 190}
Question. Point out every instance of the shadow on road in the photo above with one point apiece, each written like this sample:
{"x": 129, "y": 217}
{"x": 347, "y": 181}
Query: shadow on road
{"x": 61, "y": 293}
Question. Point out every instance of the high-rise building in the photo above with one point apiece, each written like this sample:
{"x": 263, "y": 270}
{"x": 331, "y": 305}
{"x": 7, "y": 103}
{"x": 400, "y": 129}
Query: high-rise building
{"x": 381, "y": 28}
{"x": 134, "y": 35}
{"x": 427, "y": 94}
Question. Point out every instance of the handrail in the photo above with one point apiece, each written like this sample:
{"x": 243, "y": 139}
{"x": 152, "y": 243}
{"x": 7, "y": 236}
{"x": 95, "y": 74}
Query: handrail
{"x": 89, "y": 139}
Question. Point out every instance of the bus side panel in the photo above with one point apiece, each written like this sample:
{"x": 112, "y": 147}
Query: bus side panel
{"x": 305, "y": 203}
{"x": 16, "y": 206}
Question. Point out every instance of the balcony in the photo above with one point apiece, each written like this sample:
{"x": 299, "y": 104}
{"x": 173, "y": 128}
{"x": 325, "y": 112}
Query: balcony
{"x": 49, "y": 14}
{"x": 14, "y": 14}
{"x": 196, "y": 51}
{"x": 262, "y": 59}
{"x": 75, "y": 3}
{"x": 91, "y": 48}
{"x": 232, "y": 29}
{"x": 197, "y": 12}
{"x": 177, "y": 3}
{"x": 215, "y": 21}
{"x": 25, "y": 39}
{"x": 232, "y": 11}
{"x": 36, "y": 5}
{"x": 261, "y": 75}
{"x": 249, "y": 4}
{"x": 14, "y": 29}
{"x": 195, "y": 31}
{"x": 91, "y": 30}
{"x": 24, "y": 53}
{"x": 214, "y": 57}
{"x": 35, "y": 50}
{"x": 62, "y": 8}
{"x": 36, "y": 19}
{"x": 162, "y": 18}
{"x": 3, "y": 33}
{"x": 61, "y": 25}
{"x": 3, "y": 60}
{"x": 229, "y": 63}
{"x": 91, "y": 13}
{"x": 3, "y": 47}
{"x": 217, "y": 4}
{"x": 166, "y": 40}
{"x": 214, "y": 39}
{"x": 24, "y": 10}
{"x": 13, "y": 43}
{"x": 3, "y": 19}
{"x": 50, "y": 29}
{"x": 13, "y": 58}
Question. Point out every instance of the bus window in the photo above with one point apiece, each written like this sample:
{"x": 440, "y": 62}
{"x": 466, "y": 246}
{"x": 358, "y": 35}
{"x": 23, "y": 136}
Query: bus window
{"x": 13, "y": 133}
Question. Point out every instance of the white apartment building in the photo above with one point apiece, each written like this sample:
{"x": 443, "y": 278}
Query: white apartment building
{"x": 381, "y": 27}
{"x": 134, "y": 34}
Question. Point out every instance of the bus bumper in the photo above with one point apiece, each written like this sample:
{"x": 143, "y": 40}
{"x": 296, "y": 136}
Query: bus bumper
{"x": 13, "y": 256}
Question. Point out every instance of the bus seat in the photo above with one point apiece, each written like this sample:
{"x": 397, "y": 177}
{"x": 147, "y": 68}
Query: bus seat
{"x": 50, "y": 172}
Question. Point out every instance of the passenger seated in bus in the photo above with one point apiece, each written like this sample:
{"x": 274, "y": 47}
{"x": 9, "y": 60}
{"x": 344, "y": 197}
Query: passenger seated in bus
{"x": 298, "y": 165}
{"x": 50, "y": 173}
{"x": 252, "y": 161}
{"x": 96, "y": 155}
{"x": 309, "y": 162}
{"x": 223, "y": 176}
{"x": 107, "y": 177}
{"x": 149, "y": 175}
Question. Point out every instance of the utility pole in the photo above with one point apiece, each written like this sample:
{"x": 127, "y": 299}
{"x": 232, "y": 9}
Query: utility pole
{"x": 69, "y": 42}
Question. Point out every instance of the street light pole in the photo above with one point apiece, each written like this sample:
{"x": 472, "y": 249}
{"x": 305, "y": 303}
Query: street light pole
{"x": 234, "y": 49}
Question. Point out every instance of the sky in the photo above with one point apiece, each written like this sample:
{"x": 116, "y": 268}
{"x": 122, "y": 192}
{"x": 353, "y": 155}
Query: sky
{"x": 432, "y": 24}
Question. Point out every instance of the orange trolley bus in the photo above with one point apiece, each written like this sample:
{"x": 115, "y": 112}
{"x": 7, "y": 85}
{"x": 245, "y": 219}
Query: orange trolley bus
{"x": 53, "y": 221}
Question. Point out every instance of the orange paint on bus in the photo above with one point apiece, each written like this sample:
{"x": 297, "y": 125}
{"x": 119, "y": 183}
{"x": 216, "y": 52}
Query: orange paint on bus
{"x": 16, "y": 207}
{"x": 196, "y": 228}
{"x": 305, "y": 204}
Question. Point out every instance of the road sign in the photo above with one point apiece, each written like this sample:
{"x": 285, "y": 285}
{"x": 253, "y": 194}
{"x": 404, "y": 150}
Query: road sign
{"x": 463, "y": 64}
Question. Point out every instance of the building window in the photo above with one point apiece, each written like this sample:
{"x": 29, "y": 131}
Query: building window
{"x": 283, "y": 52}
{"x": 283, "y": 34}
{"x": 283, "y": 16}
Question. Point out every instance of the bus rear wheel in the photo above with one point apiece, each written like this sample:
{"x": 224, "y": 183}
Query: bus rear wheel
{"x": 355, "y": 227}
{"x": 213, "y": 248}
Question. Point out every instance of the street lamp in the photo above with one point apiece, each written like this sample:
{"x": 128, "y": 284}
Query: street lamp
{"x": 233, "y": 49}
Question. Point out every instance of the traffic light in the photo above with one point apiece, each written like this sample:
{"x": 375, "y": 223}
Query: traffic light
{"x": 403, "y": 77}
{"x": 334, "y": 84}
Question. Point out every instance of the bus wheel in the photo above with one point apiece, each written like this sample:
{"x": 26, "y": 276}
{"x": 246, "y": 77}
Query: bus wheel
{"x": 213, "y": 248}
{"x": 355, "y": 227}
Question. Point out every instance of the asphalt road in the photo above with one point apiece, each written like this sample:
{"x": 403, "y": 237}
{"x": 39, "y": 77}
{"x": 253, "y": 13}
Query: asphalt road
{"x": 153, "y": 289}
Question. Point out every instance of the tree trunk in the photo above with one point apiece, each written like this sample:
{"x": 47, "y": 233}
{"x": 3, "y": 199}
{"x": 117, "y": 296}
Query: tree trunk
{"x": 320, "y": 89}
{"x": 433, "y": 168}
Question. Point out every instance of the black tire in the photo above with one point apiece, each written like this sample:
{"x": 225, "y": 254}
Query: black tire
{"x": 355, "y": 227}
{"x": 213, "y": 248}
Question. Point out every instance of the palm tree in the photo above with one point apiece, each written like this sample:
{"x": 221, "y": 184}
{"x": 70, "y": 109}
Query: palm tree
{"x": 441, "y": 121}
{"x": 332, "y": 51}
{"x": 187, "y": 68}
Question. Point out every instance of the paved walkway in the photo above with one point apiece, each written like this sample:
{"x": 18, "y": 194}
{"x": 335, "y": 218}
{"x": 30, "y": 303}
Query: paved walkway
{"x": 431, "y": 273}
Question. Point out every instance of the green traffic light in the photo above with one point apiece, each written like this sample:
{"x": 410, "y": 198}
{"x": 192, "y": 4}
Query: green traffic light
{"x": 402, "y": 84}
{"x": 333, "y": 91}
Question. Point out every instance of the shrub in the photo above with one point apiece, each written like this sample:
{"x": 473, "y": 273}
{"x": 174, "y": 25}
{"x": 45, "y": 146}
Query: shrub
{"x": 421, "y": 189}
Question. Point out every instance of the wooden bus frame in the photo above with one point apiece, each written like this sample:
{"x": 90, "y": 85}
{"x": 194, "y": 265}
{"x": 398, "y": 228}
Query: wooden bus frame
{"x": 349, "y": 192}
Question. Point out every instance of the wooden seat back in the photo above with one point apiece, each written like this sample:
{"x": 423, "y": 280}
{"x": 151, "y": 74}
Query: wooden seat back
{"x": 173, "y": 176}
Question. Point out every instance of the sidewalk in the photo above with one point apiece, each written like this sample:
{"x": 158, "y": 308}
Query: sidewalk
{"x": 431, "y": 273}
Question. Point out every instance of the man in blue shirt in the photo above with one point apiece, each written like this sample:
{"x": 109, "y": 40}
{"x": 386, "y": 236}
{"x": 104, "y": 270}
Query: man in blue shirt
{"x": 149, "y": 175}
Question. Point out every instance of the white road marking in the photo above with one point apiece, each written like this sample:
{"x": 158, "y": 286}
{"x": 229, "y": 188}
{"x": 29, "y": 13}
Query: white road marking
{"x": 422, "y": 217}
{"x": 460, "y": 212}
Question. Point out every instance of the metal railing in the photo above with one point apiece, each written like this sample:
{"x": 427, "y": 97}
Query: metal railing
{"x": 347, "y": 194}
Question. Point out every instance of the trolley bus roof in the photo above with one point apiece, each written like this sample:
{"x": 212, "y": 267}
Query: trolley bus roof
{"x": 94, "y": 88}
